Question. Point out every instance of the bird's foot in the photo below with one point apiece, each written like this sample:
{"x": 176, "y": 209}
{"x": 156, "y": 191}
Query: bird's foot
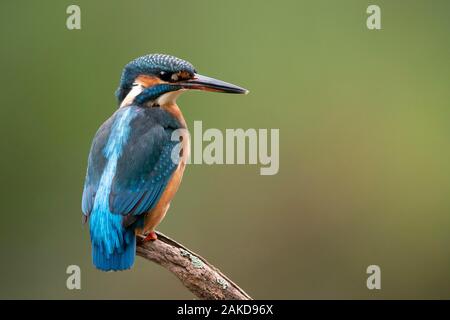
{"x": 151, "y": 236}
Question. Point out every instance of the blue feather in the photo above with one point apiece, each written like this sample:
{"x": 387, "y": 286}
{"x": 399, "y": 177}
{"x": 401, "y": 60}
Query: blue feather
{"x": 119, "y": 259}
{"x": 112, "y": 244}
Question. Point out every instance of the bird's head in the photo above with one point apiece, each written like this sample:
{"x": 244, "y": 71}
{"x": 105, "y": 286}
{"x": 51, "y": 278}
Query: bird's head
{"x": 158, "y": 79}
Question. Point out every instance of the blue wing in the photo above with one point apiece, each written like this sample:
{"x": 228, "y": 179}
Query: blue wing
{"x": 139, "y": 194}
{"x": 143, "y": 170}
{"x": 143, "y": 173}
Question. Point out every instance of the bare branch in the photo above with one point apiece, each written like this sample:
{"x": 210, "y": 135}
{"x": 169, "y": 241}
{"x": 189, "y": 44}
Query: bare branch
{"x": 198, "y": 275}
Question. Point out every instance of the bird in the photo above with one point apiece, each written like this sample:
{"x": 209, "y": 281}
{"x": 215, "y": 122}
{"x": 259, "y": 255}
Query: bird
{"x": 135, "y": 165}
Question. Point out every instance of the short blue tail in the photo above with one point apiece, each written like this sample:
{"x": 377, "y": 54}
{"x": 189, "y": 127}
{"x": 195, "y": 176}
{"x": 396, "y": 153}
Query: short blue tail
{"x": 119, "y": 259}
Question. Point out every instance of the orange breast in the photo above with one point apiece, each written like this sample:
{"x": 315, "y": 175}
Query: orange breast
{"x": 156, "y": 215}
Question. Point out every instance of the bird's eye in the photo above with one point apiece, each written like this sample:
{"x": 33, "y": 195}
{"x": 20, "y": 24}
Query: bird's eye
{"x": 165, "y": 76}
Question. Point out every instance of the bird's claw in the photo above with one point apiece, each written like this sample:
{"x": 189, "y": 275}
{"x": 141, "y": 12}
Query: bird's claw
{"x": 151, "y": 236}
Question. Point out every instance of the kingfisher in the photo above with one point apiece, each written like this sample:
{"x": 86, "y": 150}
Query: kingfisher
{"x": 138, "y": 156}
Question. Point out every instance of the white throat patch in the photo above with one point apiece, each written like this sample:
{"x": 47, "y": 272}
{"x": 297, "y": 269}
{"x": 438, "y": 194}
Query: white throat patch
{"x": 135, "y": 90}
{"x": 169, "y": 98}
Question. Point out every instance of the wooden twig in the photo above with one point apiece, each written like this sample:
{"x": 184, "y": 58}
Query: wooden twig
{"x": 198, "y": 275}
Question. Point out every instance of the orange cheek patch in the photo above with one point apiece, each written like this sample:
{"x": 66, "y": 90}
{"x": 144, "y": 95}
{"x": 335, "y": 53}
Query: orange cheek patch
{"x": 183, "y": 75}
{"x": 148, "y": 81}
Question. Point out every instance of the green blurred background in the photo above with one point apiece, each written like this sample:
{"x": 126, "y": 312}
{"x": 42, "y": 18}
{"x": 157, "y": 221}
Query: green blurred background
{"x": 364, "y": 144}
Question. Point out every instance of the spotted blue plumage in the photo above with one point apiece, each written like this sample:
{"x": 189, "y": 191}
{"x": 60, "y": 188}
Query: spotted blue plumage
{"x": 129, "y": 167}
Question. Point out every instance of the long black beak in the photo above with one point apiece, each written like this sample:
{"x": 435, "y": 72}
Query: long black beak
{"x": 204, "y": 83}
